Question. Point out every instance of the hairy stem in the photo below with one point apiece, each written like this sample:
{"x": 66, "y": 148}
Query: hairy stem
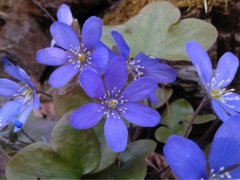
{"x": 205, "y": 135}
{"x": 44, "y": 93}
{"x": 29, "y": 137}
{"x": 204, "y": 101}
{"x": 44, "y": 10}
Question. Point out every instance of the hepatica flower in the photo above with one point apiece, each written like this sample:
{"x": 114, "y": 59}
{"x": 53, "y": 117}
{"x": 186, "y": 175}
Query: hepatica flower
{"x": 72, "y": 53}
{"x": 23, "y": 95}
{"x": 116, "y": 102}
{"x": 142, "y": 65}
{"x": 224, "y": 101}
{"x": 188, "y": 161}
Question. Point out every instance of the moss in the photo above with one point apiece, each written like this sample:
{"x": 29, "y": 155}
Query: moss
{"x": 126, "y": 9}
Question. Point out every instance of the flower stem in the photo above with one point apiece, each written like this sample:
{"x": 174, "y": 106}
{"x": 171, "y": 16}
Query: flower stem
{"x": 5, "y": 153}
{"x": 44, "y": 93}
{"x": 29, "y": 137}
{"x": 204, "y": 101}
{"x": 44, "y": 10}
{"x": 212, "y": 127}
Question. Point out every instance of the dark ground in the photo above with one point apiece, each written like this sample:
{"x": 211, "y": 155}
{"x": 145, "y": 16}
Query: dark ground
{"x": 24, "y": 28}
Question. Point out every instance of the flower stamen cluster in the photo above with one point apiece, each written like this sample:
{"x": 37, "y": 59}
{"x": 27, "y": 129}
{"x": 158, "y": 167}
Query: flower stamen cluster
{"x": 221, "y": 174}
{"x": 80, "y": 57}
{"x": 135, "y": 68}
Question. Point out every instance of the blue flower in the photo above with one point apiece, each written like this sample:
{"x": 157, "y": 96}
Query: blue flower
{"x": 74, "y": 55}
{"x": 224, "y": 101}
{"x": 23, "y": 94}
{"x": 115, "y": 101}
{"x": 188, "y": 161}
{"x": 142, "y": 65}
{"x": 64, "y": 15}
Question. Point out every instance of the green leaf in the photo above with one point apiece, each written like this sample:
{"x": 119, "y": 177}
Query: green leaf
{"x": 176, "y": 120}
{"x": 163, "y": 96}
{"x": 72, "y": 154}
{"x": 39, "y": 161}
{"x": 200, "y": 119}
{"x": 107, "y": 155}
{"x": 180, "y": 110}
{"x": 68, "y": 99}
{"x": 131, "y": 163}
{"x": 157, "y": 31}
{"x": 163, "y": 133}
{"x": 38, "y": 129}
{"x": 79, "y": 147}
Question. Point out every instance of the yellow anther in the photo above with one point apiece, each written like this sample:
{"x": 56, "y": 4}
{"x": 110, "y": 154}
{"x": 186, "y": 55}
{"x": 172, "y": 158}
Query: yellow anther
{"x": 112, "y": 103}
{"x": 216, "y": 93}
{"x": 81, "y": 57}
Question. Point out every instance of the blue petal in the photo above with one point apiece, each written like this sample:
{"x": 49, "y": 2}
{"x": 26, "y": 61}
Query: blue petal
{"x": 24, "y": 116}
{"x": 91, "y": 82}
{"x": 116, "y": 75}
{"x": 201, "y": 61}
{"x": 91, "y": 32}
{"x": 139, "y": 89}
{"x": 100, "y": 59}
{"x": 64, "y": 14}
{"x": 185, "y": 158}
{"x": 52, "y": 56}
{"x": 86, "y": 116}
{"x": 17, "y": 72}
{"x": 116, "y": 134}
{"x": 220, "y": 111}
{"x": 226, "y": 70}
{"x": 140, "y": 114}
{"x": 153, "y": 98}
{"x": 9, "y": 88}
{"x": 162, "y": 73}
{"x": 122, "y": 46}
{"x": 36, "y": 102}
{"x": 10, "y": 110}
{"x": 235, "y": 173}
{"x": 111, "y": 54}
{"x": 225, "y": 148}
{"x": 64, "y": 36}
{"x": 62, "y": 75}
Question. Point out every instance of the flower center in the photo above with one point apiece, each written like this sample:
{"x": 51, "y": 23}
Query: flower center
{"x": 219, "y": 93}
{"x": 134, "y": 68}
{"x": 81, "y": 57}
{"x": 216, "y": 93}
{"x": 25, "y": 94}
{"x": 112, "y": 103}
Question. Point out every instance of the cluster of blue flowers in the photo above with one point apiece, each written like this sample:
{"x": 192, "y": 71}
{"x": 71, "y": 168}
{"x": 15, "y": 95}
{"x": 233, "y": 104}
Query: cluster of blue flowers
{"x": 126, "y": 81}
{"x": 184, "y": 157}
{"x": 117, "y": 83}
